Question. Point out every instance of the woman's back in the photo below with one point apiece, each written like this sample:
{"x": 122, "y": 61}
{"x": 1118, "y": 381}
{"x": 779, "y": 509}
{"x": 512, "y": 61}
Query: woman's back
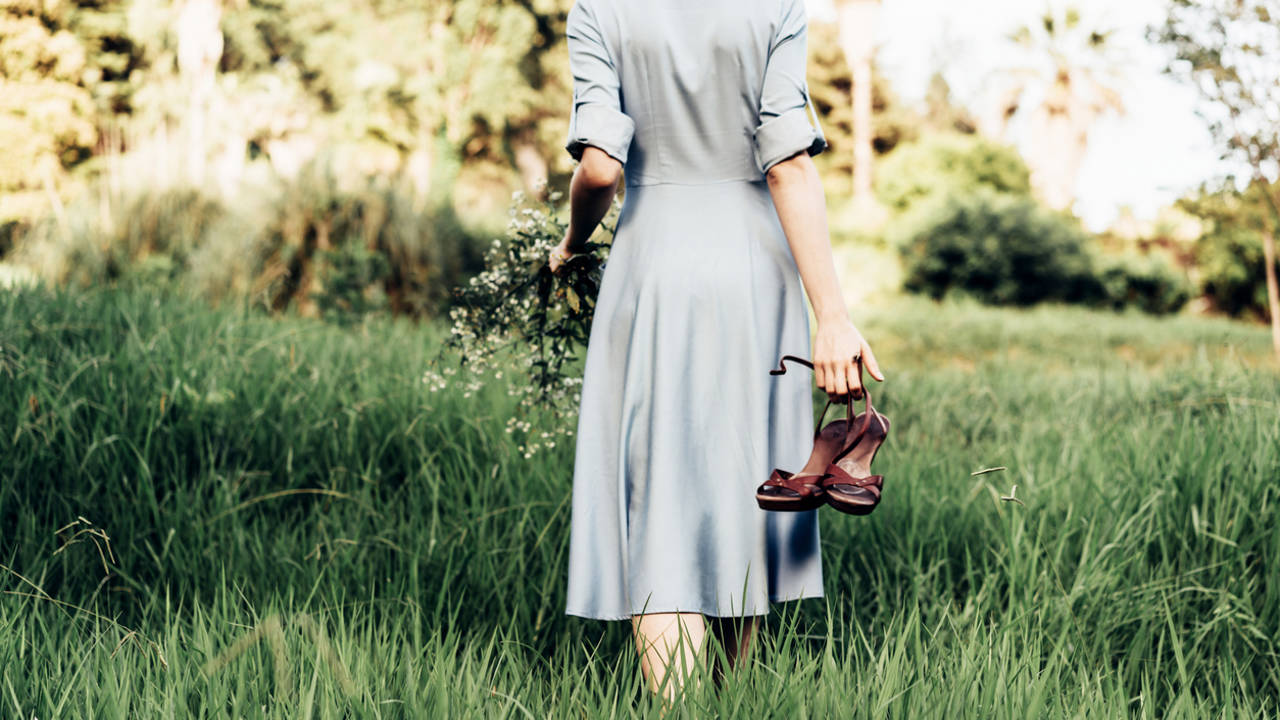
{"x": 679, "y": 418}
{"x": 713, "y": 90}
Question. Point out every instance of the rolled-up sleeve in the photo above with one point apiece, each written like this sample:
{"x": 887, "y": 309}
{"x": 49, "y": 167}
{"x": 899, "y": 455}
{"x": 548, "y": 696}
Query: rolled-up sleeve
{"x": 597, "y": 118}
{"x": 785, "y": 110}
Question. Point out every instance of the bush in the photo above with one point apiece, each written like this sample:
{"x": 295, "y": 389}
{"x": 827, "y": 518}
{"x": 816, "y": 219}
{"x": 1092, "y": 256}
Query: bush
{"x": 315, "y": 247}
{"x": 9, "y": 230}
{"x": 1001, "y": 249}
{"x": 1148, "y": 282}
{"x": 147, "y": 238}
{"x": 320, "y": 241}
{"x": 1007, "y": 250}
{"x": 1229, "y": 255}
{"x": 944, "y": 164}
{"x": 1233, "y": 271}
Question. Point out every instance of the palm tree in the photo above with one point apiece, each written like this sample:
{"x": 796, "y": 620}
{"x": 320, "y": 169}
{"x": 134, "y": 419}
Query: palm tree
{"x": 857, "y": 23}
{"x": 1066, "y": 80}
{"x": 199, "y": 50}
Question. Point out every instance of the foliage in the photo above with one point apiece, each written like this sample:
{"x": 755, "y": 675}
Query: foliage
{"x": 387, "y": 87}
{"x": 149, "y": 237}
{"x": 352, "y": 287}
{"x": 1148, "y": 282}
{"x": 401, "y": 73}
{"x": 1068, "y": 75}
{"x": 1229, "y": 254}
{"x": 381, "y": 83}
{"x": 943, "y": 164}
{"x": 1227, "y": 50}
{"x": 316, "y": 247}
{"x": 1233, "y": 272}
{"x": 830, "y": 81}
{"x": 298, "y": 526}
{"x": 517, "y": 314}
{"x": 68, "y": 69}
{"x": 1006, "y": 250}
{"x": 1001, "y": 249}
{"x": 424, "y": 250}
{"x": 46, "y": 115}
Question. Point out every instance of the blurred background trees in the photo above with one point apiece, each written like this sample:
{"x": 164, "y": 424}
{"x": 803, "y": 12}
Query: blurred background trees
{"x": 1228, "y": 49}
{"x": 286, "y": 151}
{"x": 857, "y": 24}
{"x": 1065, "y": 79}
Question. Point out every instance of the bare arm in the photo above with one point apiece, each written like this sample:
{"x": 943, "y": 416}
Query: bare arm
{"x": 595, "y": 182}
{"x": 802, "y": 209}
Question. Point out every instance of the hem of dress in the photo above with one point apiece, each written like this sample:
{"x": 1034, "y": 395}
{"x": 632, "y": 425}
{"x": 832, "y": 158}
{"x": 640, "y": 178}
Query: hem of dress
{"x": 772, "y": 599}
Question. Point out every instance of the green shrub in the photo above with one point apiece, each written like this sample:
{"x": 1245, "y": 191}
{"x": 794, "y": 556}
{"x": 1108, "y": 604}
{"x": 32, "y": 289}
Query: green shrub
{"x": 316, "y": 247}
{"x": 353, "y": 284}
{"x": 320, "y": 238}
{"x": 1233, "y": 271}
{"x": 1007, "y": 250}
{"x": 943, "y": 164}
{"x": 1001, "y": 249}
{"x": 9, "y": 231}
{"x": 1147, "y": 282}
{"x": 147, "y": 238}
{"x": 1229, "y": 253}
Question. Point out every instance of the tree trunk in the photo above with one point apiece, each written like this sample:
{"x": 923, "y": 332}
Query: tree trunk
{"x": 418, "y": 166}
{"x": 862, "y": 134}
{"x": 857, "y": 20}
{"x": 1060, "y": 131}
{"x": 199, "y": 51}
{"x": 1273, "y": 293}
{"x": 531, "y": 164}
{"x": 1269, "y": 260}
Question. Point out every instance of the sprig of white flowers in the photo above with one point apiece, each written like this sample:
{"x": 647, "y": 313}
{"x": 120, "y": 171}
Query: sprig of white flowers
{"x": 518, "y": 322}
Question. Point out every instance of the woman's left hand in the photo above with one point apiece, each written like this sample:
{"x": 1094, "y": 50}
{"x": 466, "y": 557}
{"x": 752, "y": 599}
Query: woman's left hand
{"x": 560, "y": 255}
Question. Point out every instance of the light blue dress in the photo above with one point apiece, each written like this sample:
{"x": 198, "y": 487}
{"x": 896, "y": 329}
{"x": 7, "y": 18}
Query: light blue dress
{"x": 680, "y": 419}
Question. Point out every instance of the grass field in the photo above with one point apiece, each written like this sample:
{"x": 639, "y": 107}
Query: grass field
{"x": 213, "y": 514}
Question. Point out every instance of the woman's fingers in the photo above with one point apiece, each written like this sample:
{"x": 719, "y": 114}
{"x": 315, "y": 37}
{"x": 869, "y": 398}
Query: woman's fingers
{"x": 557, "y": 259}
{"x": 838, "y": 380}
{"x": 854, "y": 375}
{"x": 869, "y": 359}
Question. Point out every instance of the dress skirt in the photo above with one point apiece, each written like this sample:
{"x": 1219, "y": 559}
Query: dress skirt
{"x": 680, "y": 419}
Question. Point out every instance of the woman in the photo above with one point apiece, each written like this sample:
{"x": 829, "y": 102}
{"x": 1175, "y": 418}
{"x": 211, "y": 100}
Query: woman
{"x": 705, "y": 105}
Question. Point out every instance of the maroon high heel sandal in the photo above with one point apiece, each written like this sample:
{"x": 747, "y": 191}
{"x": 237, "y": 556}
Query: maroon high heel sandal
{"x": 848, "y": 483}
{"x": 786, "y": 491}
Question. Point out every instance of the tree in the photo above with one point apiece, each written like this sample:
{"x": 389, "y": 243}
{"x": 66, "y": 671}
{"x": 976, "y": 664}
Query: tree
{"x": 484, "y": 79}
{"x": 857, "y": 23}
{"x": 65, "y": 71}
{"x": 1070, "y": 68}
{"x": 831, "y": 91}
{"x": 1227, "y": 49}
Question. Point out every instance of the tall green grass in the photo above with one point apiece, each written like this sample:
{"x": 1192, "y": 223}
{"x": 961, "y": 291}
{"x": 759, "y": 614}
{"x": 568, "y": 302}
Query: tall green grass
{"x": 215, "y": 514}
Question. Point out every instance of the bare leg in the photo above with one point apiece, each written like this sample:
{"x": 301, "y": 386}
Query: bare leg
{"x": 737, "y": 637}
{"x": 670, "y": 647}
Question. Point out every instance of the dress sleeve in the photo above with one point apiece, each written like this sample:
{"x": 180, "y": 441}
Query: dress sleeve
{"x": 784, "y": 130}
{"x": 597, "y": 118}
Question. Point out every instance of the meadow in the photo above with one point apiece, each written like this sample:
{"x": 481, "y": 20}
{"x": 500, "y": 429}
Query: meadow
{"x": 211, "y": 513}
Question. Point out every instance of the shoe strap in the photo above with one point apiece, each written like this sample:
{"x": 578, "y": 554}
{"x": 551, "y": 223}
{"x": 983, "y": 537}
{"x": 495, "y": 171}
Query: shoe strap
{"x": 802, "y": 485}
{"x": 837, "y": 476}
{"x": 849, "y": 414}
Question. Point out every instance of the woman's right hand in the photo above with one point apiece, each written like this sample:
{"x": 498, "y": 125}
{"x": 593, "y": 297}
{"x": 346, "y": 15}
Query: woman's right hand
{"x": 836, "y": 350}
